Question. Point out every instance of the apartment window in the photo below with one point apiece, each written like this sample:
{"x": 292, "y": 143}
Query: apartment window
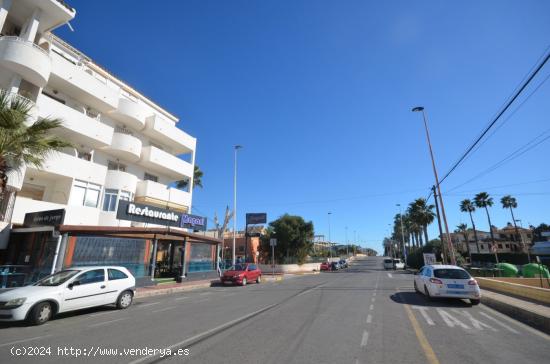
{"x": 150, "y": 177}
{"x": 85, "y": 194}
{"x": 507, "y": 245}
{"x": 500, "y": 246}
{"x": 84, "y": 155}
{"x": 125, "y": 195}
{"x": 109, "y": 199}
{"x": 482, "y": 246}
{"x": 115, "y": 166}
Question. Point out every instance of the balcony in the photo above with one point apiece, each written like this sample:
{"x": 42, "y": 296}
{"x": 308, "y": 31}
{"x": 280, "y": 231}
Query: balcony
{"x": 155, "y": 193}
{"x": 77, "y": 127}
{"x": 131, "y": 113}
{"x": 82, "y": 83}
{"x": 64, "y": 165}
{"x": 164, "y": 163}
{"x": 169, "y": 134}
{"x": 125, "y": 146}
{"x": 25, "y": 58}
{"x": 74, "y": 215}
{"x": 120, "y": 180}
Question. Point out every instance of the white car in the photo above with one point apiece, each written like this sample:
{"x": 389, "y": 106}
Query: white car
{"x": 447, "y": 281}
{"x": 68, "y": 290}
{"x": 390, "y": 263}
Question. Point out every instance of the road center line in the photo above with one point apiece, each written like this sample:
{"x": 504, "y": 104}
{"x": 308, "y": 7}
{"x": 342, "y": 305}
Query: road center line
{"x": 106, "y": 322}
{"x": 369, "y": 318}
{"x": 181, "y": 298}
{"x": 373, "y": 299}
{"x": 390, "y": 275}
{"x": 371, "y": 307}
{"x": 24, "y": 340}
{"x": 364, "y": 339}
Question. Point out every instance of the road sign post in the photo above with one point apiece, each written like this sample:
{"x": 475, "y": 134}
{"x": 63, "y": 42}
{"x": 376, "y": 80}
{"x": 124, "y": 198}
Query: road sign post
{"x": 273, "y": 243}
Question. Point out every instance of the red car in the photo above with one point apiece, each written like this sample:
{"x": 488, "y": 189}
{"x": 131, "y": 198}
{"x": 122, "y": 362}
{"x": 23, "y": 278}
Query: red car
{"x": 242, "y": 274}
{"x": 325, "y": 266}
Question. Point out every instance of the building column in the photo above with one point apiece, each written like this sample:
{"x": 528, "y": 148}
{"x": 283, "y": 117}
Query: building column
{"x": 31, "y": 26}
{"x": 4, "y": 7}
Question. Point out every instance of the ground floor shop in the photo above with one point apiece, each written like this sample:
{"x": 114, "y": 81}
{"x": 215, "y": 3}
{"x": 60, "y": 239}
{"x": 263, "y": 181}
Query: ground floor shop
{"x": 151, "y": 254}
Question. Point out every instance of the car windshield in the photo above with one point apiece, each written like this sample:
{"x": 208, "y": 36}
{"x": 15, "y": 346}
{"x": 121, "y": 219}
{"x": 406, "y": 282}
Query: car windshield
{"x": 397, "y": 261}
{"x": 451, "y": 274}
{"x": 387, "y": 261}
{"x": 238, "y": 267}
{"x": 57, "y": 278}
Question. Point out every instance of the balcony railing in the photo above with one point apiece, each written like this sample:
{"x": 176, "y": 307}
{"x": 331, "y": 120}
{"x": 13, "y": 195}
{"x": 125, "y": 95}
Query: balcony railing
{"x": 14, "y": 38}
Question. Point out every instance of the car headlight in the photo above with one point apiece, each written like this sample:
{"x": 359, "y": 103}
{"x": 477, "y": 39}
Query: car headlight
{"x": 16, "y": 302}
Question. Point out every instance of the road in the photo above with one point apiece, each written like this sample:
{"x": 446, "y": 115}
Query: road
{"x": 361, "y": 315}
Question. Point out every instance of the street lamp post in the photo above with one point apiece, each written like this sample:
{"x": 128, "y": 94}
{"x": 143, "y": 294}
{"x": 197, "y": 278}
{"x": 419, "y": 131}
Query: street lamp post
{"x": 449, "y": 243}
{"x": 329, "y": 238}
{"x": 236, "y": 148}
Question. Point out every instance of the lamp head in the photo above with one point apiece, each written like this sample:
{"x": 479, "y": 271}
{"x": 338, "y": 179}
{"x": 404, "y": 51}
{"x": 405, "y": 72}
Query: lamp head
{"x": 417, "y": 109}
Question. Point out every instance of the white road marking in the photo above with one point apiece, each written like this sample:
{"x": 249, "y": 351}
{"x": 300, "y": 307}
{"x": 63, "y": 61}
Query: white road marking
{"x": 373, "y": 299}
{"x": 369, "y": 318}
{"x": 374, "y": 294}
{"x": 106, "y": 322}
{"x": 199, "y": 301}
{"x": 204, "y": 293}
{"x": 371, "y": 307}
{"x": 23, "y": 341}
{"x": 390, "y": 275}
{"x": 181, "y": 298}
{"x": 424, "y": 313}
{"x": 164, "y": 309}
{"x": 364, "y": 339}
{"x": 450, "y": 320}
{"x": 149, "y": 304}
{"x": 475, "y": 322}
{"x": 500, "y": 323}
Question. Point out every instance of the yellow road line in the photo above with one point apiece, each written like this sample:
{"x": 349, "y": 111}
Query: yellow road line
{"x": 428, "y": 351}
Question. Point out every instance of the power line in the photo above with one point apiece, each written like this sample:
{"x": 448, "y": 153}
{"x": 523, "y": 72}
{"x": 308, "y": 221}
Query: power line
{"x": 503, "y": 186}
{"x": 495, "y": 119}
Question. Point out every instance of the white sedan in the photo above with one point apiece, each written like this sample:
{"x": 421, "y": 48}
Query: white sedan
{"x": 68, "y": 290}
{"x": 447, "y": 281}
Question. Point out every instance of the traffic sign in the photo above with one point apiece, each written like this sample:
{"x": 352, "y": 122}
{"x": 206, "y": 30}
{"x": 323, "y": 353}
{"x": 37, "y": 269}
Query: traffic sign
{"x": 272, "y": 242}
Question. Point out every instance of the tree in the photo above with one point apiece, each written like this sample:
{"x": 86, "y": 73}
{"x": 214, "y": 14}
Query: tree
{"x": 483, "y": 200}
{"x": 425, "y": 215}
{"x": 467, "y": 206}
{"x": 463, "y": 229}
{"x": 22, "y": 141}
{"x": 197, "y": 179}
{"x": 294, "y": 237}
{"x": 509, "y": 202}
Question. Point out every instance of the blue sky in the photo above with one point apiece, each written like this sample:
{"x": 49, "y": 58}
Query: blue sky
{"x": 320, "y": 92}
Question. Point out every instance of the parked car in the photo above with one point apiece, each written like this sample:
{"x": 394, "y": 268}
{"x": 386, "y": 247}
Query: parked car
{"x": 447, "y": 281}
{"x": 325, "y": 266}
{"x": 68, "y": 290}
{"x": 343, "y": 263}
{"x": 398, "y": 264}
{"x": 388, "y": 263}
{"x": 334, "y": 266}
{"x": 241, "y": 274}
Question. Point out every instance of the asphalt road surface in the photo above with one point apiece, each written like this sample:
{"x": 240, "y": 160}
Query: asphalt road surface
{"x": 361, "y": 315}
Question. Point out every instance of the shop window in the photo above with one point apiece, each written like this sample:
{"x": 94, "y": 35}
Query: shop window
{"x": 201, "y": 259}
{"x": 85, "y": 194}
{"x": 150, "y": 177}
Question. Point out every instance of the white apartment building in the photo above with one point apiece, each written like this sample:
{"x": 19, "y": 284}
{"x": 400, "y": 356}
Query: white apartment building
{"x": 126, "y": 146}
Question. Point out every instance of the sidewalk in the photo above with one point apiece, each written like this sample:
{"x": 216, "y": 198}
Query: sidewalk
{"x": 533, "y": 314}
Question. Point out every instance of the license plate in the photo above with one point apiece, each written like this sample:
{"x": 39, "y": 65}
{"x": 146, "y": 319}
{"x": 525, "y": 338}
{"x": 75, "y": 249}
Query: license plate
{"x": 455, "y": 292}
{"x": 455, "y": 286}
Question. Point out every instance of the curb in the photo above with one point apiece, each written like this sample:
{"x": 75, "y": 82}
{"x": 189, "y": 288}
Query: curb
{"x": 140, "y": 293}
{"x": 523, "y": 315}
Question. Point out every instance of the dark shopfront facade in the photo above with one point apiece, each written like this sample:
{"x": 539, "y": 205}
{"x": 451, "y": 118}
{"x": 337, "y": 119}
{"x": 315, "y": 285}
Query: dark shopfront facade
{"x": 147, "y": 252}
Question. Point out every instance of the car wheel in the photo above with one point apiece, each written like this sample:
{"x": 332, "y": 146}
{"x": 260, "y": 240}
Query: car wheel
{"x": 244, "y": 282}
{"x": 259, "y": 279}
{"x": 427, "y": 293}
{"x": 474, "y": 302}
{"x": 41, "y": 313}
{"x": 125, "y": 300}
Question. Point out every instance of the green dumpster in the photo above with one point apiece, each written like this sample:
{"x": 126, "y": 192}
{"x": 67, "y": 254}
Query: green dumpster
{"x": 534, "y": 270}
{"x": 507, "y": 269}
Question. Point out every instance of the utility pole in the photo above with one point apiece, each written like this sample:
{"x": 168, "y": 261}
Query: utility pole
{"x": 236, "y": 147}
{"x": 439, "y": 224}
{"x": 448, "y": 236}
{"x": 329, "y": 241}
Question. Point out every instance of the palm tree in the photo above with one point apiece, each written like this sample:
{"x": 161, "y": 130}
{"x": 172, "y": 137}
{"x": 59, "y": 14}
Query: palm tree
{"x": 467, "y": 206}
{"x": 425, "y": 215}
{"x": 509, "y": 202}
{"x": 463, "y": 229}
{"x": 23, "y": 142}
{"x": 482, "y": 200}
{"x": 197, "y": 179}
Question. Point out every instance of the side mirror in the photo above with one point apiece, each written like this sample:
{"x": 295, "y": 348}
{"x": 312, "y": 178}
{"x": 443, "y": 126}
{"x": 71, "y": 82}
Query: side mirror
{"x": 72, "y": 284}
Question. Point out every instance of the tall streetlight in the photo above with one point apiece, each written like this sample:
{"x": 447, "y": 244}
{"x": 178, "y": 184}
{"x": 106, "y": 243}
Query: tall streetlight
{"x": 347, "y": 243}
{"x": 236, "y": 148}
{"x": 402, "y": 232}
{"x": 449, "y": 243}
{"x": 329, "y": 242}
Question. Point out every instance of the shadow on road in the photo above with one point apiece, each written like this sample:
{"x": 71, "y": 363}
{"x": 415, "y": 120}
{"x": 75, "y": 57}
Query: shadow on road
{"x": 417, "y": 299}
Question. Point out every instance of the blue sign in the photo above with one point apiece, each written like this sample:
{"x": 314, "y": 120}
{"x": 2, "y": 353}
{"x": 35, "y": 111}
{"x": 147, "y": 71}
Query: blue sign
{"x": 194, "y": 222}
